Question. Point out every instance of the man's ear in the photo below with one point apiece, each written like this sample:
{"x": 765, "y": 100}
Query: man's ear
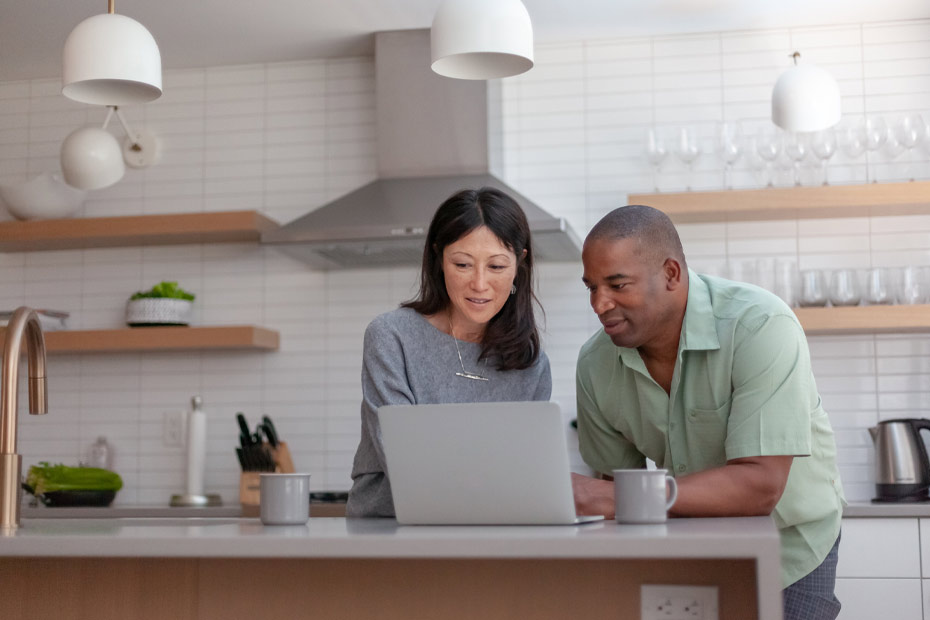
{"x": 671, "y": 268}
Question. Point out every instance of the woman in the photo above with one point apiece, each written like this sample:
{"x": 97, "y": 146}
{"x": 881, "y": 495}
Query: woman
{"x": 469, "y": 336}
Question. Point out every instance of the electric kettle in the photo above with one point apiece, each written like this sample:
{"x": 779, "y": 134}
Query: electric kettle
{"x": 902, "y": 468}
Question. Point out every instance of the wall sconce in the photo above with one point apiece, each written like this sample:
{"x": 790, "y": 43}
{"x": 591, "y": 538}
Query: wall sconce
{"x": 91, "y": 157}
{"x": 111, "y": 59}
{"x": 805, "y": 98}
{"x": 481, "y": 39}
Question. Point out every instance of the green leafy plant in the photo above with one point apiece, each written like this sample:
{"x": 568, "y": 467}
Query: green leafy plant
{"x": 44, "y": 478}
{"x": 164, "y": 289}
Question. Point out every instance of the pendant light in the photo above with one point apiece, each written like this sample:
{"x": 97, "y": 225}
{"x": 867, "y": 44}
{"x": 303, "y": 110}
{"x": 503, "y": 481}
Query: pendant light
{"x": 805, "y": 98}
{"x": 92, "y": 158}
{"x": 481, "y": 39}
{"x": 111, "y": 59}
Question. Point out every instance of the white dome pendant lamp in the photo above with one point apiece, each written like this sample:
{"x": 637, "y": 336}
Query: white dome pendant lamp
{"x": 805, "y": 98}
{"x": 481, "y": 39}
{"x": 111, "y": 59}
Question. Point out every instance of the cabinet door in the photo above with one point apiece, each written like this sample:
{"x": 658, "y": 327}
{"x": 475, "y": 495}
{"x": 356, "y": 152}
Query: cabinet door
{"x": 875, "y": 599}
{"x": 886, "y": 548}
{"x": 925, "y": 548}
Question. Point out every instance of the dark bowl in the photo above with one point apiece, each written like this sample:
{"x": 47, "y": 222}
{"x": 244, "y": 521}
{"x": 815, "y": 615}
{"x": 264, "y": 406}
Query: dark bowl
{"x": 57, "y": 499}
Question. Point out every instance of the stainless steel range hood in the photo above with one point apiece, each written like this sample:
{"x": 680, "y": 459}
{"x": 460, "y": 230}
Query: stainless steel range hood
{"x": 436, "y": 136}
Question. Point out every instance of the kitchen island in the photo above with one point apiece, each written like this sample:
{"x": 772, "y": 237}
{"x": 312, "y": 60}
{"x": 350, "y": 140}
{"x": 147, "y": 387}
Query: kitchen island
{"x": 330, "y": 568}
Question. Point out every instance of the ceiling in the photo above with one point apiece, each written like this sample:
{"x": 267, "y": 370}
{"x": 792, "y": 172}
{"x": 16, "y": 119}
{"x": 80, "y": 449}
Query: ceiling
{"x": 201, "y": 33}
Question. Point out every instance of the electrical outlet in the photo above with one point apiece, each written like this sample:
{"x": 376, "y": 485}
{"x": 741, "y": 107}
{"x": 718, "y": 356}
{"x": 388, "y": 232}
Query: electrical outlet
{"x": 174, "y": 429}
{"x": 661, "y": 602}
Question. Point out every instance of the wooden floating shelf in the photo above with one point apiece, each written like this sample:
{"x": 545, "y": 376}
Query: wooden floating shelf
{"x": 864, "y": 319}
{"x": 829, "y": 201}
{"x": 134, "y": 230}
{"x": 246, "y": 337}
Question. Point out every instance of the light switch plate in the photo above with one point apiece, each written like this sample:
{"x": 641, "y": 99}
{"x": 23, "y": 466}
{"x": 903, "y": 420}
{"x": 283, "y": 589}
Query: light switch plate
{"x": 664, "y": 602}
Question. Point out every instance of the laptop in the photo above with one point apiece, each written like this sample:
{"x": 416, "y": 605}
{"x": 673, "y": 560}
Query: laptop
{"x": 479, "y": 464}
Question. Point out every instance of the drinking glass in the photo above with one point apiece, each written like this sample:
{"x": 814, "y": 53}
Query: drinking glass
{"x": 844, "y": 288}
{"x": 823, "y": 146}
{"x": 688, "y": 150}
{"x": 768, "y": 147}
{"x": 813, "y": 289}
{"x": 656, "y": 153}
{"x": 914, "y": 286}
{"x": 787, "y": 281}
{"x": 879, "y": 286}
{"x": 797, "y": 145}
{"x": 727, "y": 143}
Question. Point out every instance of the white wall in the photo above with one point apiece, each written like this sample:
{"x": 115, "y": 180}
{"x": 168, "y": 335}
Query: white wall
{"x": 285, "y": 138}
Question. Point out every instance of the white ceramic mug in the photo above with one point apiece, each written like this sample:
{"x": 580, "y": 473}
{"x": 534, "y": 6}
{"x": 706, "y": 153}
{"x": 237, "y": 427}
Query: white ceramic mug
{"x": 284, "y": 498}
{"x": 640, "y": 495}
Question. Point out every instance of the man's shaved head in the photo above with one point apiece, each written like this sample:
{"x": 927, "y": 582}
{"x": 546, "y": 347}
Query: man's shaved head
{"x": 653, "y": 231}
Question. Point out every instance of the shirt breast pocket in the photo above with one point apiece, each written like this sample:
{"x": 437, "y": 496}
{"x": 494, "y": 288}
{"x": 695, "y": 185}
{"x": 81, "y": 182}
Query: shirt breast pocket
{"x": 707, "y": 433}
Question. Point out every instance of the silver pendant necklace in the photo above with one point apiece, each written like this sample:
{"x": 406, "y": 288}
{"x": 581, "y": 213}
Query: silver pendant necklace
{"x": 464, "y": 373}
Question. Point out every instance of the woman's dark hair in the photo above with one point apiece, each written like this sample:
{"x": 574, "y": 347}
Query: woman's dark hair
{"x": 511, "y": 339}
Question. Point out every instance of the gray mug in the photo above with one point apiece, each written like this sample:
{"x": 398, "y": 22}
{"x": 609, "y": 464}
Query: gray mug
{"x": 284, "y": 498}
{"x": 640, "y": 495}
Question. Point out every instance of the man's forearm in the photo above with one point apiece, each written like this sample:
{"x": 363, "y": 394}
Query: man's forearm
{"x": 741, "y": 488}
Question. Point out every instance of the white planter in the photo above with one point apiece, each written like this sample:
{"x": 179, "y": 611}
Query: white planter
{"x": 158, "y": 311}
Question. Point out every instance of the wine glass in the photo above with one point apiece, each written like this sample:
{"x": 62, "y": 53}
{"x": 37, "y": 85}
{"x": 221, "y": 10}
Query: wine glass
{"x": 851, "y": 138}
{"x": 909, "y": 131}
{"x": 727, "y": 143}
{"x": 688, "y": 150}
{"x": 876, "y": 133}
{"x": 768, "y": 146}
{"x": 758, "y": 165}
{"x": 823, "y": 146}
{"x": 893, "y": 147}
{"x": 656, "y": 153}
{"x": 797, "y": 145}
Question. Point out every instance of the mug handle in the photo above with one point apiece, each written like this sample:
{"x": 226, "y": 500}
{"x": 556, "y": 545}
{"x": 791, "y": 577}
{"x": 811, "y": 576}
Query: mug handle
{"x": 674, "y": 494}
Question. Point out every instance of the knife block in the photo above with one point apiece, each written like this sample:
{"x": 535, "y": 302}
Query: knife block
{"x": 249, "y": 481}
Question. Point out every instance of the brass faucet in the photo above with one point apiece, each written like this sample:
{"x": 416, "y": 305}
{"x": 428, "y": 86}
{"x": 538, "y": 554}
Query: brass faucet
{"x": 23, "y": 322}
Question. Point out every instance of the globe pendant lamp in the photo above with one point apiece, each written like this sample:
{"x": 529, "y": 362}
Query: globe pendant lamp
{"x": 481, "y": 39}
{"x": 111, "y": 59}
{"x": 805, "y": 98}
{"x": 92, "y": 158}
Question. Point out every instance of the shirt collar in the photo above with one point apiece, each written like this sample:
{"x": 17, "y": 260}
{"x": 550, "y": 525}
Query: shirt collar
{"x": 700, "y": 326}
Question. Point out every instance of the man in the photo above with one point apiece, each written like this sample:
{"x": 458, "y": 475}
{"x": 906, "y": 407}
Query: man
{"x": 710, "y": 379}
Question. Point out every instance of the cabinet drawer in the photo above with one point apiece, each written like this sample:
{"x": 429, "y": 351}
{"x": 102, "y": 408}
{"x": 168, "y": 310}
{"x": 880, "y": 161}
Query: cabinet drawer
{"x": 869, "y": 599}
{"x": 879, "y": 548}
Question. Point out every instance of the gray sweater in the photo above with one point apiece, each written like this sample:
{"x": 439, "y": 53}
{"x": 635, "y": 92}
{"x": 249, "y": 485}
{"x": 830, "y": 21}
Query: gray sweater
{"x": 407, "y": 360}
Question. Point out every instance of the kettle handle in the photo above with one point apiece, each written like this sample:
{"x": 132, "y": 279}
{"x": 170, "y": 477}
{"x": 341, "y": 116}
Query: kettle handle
{"x": 917, "y": 425}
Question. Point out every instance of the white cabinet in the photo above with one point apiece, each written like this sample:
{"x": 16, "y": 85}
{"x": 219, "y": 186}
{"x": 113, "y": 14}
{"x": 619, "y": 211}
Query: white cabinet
{"x": 880, "y": 548}
{"x": 880, "y": 569}
{"x": 879, "y": 599}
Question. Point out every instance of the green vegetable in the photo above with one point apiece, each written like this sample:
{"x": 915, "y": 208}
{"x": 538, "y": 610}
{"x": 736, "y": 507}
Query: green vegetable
{"x": 170, "y": 290}
{"x": 44, "y": 478}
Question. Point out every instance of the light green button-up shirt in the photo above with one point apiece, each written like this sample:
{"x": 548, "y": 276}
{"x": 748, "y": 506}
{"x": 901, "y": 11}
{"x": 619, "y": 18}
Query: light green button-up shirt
{"x": 742, "y": 387}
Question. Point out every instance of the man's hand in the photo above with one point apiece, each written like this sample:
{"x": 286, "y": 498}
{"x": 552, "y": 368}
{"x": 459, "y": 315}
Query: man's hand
{"x": 592, "y": 496}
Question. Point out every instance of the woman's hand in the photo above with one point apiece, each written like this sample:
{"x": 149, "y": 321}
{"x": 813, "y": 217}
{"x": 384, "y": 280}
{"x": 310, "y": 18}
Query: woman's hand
{"x": 593, "y": 497}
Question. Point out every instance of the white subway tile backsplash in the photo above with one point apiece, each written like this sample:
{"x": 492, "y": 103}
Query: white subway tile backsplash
{"x": 285, "y": 137}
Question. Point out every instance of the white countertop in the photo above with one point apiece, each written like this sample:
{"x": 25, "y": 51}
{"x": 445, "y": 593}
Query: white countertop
{"x": 904, "y": 509}
{"x": 754, "y": 537}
